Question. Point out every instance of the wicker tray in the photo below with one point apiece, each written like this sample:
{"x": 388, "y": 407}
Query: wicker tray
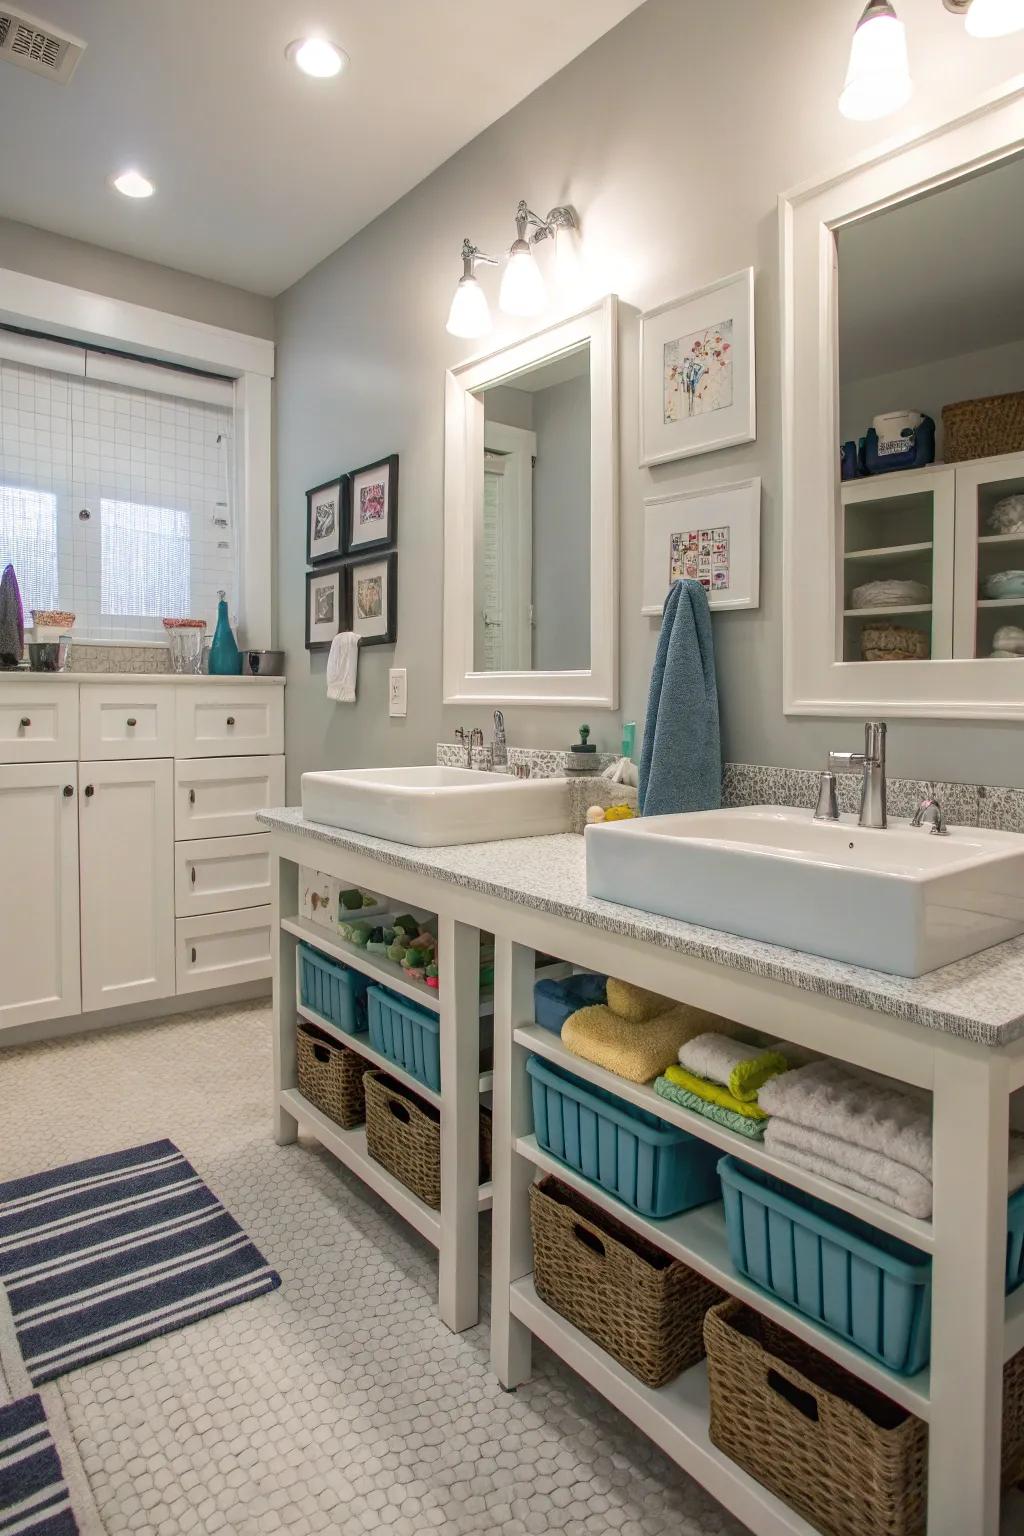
{"x": 977, "y": 429}
{"x": 330, "y": 1076}
{"x": 645, "y": 1308}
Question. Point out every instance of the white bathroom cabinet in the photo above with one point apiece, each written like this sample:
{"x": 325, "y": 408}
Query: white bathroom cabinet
{"x": 135, "y": 867}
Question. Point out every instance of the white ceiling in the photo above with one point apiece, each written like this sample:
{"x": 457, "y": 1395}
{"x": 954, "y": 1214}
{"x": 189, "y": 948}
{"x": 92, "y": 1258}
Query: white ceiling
{"x": 261, "y": 172}
{"x": 935, "y": 277}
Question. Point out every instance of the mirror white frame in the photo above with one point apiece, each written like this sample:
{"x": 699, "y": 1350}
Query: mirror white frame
{"x": 596, "y": 687}
{"x": 814, "y": 682}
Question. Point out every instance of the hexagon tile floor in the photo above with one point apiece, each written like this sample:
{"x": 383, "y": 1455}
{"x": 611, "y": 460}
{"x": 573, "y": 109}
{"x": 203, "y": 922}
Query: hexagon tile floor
{"x": 338, "y": 1403}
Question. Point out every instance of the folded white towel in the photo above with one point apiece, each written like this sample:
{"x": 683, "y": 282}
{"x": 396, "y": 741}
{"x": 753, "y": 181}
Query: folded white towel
{"x": 861, "y": 1110}
{"x": 714, "y": 1056}
{"x": 342, "y": 665}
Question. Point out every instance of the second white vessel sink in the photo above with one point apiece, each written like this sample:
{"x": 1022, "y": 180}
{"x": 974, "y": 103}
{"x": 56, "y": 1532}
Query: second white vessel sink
{"x": 434, "y": 807}
{"x": 899, "y": 900}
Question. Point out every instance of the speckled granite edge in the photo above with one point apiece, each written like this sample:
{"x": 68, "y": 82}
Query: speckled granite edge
{"x": 978, "y": 999}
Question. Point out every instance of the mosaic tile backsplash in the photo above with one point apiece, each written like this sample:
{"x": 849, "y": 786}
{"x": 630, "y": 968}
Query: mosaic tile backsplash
{"x": 119, "y": 658}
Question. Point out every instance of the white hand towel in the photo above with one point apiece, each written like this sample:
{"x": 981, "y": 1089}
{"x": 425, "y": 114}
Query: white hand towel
{"x": 863, "y": 1111}
{"x": 714, "y": 1056}
{"x": 342, "y": 664}
{"x": 869, "y": 1173}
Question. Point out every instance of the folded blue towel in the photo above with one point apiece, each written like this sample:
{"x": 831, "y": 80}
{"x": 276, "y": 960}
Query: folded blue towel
{"x": 681, "y": 760}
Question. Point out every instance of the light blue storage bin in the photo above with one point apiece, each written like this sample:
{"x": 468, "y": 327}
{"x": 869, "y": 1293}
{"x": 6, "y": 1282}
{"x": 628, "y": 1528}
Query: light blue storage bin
{"x": 335, "y": 992}
{"x": 864, "y": 1285}
{"x": 407, "y": 1035}
{"x": 647, "y": 1164}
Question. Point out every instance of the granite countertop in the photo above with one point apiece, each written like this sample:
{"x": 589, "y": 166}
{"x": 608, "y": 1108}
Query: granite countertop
{"x": 980, "y": 998}
{"x": 125, "y": 679}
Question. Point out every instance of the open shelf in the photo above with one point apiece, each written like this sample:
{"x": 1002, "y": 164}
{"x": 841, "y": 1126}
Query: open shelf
{"x": 870, "y": 613}
{"x": 918, "y": 1233}
{"x": 361, "y": 1044}
{"x": 890, "y": 551}
{"x": 379, "y": 967}
{"x": 1006, "y": 540}
{"x": 1001, "y": 602}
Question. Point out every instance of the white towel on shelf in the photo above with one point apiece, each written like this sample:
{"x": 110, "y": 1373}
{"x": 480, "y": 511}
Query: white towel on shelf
{"x": 869, "y": 1173}
{"x": 713, "y": 1057}
{"x": 856, "y": 1108}
{"x": 342, "y": 665}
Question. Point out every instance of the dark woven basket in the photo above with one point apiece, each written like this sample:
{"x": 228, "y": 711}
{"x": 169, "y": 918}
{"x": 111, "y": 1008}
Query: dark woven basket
{"x": 330, "y": 1076}
{"x": 977, "y": 429}
{"x": 403, "y": 1134}
{"x": 485, "y": 1144}
{"x": 643, "y": 1307}
{"x": 1013, "y": 1421}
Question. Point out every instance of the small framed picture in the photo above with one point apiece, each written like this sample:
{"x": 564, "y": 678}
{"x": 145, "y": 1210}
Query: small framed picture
{"x": 326, "y": 606}
{"x": 372, "y": 520}
{"x": 711, "y": 535}
{"x": 373, "y": 598}
{"x": 326, "y": 508}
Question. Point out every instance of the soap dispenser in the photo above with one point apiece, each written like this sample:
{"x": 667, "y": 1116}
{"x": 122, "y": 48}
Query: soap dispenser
{"x": 225, "y": 657}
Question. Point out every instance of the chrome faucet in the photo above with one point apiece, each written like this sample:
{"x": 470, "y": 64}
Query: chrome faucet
{"x": 930, "y": 813}
{"x": 499, "y": 744}
{"x": 871, "y": 763}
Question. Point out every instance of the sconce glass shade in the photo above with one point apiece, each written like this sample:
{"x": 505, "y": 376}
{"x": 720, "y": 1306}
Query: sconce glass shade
{"x": 994, "y": 18}
{"x": 878, "y": 78}
{"x": 522, "y": 285}
{"x": 470, "y": 314}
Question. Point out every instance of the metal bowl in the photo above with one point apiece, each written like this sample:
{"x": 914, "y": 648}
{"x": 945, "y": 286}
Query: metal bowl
{"x": 263, "y": 663}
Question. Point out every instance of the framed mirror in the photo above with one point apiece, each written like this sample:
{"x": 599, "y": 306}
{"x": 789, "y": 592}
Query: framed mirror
{"x": 531, "y": 528}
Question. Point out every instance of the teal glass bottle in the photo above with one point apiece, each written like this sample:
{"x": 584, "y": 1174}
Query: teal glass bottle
{"x": 225, "y": 657}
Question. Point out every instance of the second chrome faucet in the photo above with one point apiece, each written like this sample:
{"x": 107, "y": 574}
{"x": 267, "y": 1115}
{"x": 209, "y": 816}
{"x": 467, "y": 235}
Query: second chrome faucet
{"x": 871, "y": 763}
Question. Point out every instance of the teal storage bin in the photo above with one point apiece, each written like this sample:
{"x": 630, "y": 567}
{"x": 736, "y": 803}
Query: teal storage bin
{"x": 336, "y": 993}
{"x": 407, "y": 1035}
{"x": 645, "y": 1163}
{"x": 867, "y": 1287}
{"x": 1015, "y": 1243}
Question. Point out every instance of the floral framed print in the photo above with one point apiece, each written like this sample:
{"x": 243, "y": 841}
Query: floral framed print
{"x": 709, "y": 534}
{"x": 326, "y": 508}
{"x": 372, "y": 521}
{"x": 326, "y": 606}
{"x": 697, "y": 372}
{"x": 373, "y": 598}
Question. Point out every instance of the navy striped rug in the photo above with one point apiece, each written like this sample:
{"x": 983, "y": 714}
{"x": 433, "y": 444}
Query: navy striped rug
{"x": 34, "y": 1497}
{"x": 104, "y": 1254}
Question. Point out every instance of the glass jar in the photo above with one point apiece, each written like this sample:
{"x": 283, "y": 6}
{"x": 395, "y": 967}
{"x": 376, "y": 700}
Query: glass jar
{"x": 186, "y": 646}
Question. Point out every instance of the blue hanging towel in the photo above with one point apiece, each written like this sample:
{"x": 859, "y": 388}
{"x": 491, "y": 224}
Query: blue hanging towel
{"x": 681, "y": 760}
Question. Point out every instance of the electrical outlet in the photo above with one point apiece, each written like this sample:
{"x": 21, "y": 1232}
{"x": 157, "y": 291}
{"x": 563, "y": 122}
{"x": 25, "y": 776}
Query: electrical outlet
{"x": 397, "y": 692}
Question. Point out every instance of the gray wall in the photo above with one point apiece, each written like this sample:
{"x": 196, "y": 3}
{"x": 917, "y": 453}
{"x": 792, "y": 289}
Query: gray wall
{"x": 60, "y": 260}
{"x": 561, "y": 527}
{"x": 673, "y": 136}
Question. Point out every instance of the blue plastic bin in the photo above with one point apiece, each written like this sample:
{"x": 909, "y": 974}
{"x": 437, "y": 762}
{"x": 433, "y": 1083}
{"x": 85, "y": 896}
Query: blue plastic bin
{"x": 1015, "y": 1243}
{"x": 651, "y": 1166}
{"x": 556, "y": 1001}
{"x": 864, "y": 1285}
{"x": 407, "y": 1035}
{"x": 335, "y": 992}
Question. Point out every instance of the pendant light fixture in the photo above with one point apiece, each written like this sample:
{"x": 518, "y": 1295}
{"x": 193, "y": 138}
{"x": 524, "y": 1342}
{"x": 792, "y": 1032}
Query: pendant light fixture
{"x": 470, "y": 314}
{"x": 878, "y": 77}
{"x": 994, "y": 18}
{"x": 523, "y": 290}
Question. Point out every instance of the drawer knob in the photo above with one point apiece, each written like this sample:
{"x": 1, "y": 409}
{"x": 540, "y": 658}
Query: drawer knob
{"x": 89, "y": 791}
{"x": 69, "y": 790}
{"x": 191, "y": 797}
{"x": 193, "y": 874}
{"x": 24, "y": 722}
{"x": 231, "y": 719}
{"x": 193, "y": 954}
{"x": 132, "y": 720}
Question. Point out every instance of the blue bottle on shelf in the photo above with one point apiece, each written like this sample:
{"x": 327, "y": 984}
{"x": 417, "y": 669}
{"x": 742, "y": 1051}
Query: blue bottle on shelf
{"x": 225, "y": 657}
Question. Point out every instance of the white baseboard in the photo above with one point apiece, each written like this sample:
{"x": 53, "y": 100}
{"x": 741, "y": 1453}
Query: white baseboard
{"x": 134, "y": 1013}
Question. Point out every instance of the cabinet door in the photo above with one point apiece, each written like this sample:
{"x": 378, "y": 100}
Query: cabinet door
{"x": 238, "y": 719}
{"x": 989, "y": 554}
{"x": 127, "y": 882}
{"x": 219, "y": 797}
{"x": 222, "y": 949}
{"x": 39, "y": 977}
{"x": 220, "y": 874}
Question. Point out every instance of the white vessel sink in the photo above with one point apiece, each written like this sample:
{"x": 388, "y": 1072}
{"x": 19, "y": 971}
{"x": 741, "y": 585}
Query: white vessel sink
{"x": 435, "y": 807}
{"x": 900, "y": 900}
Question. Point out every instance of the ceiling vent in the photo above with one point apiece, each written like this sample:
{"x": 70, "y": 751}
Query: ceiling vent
{"x": 37, "y": 46}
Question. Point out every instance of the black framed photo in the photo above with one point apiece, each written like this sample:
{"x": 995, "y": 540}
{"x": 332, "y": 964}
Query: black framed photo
{"x": 327, "y": 590}
{"x": 326, "y": 513}
{"x": 373, "y": 598}
{"x": 372, "y": 518}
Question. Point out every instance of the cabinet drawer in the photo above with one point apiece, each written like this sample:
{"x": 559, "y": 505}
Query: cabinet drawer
{"x": 220, "y": 799}
{"x": 38, "y": 722}
{"x": 221, "y": 874}
{"x": 222, "y": 949}
{"x": 120, "y": 722}
{"x": 232, "y": 721}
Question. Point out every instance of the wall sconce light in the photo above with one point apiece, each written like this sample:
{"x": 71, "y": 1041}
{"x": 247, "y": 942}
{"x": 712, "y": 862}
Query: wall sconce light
{"x": 523, "y": 290}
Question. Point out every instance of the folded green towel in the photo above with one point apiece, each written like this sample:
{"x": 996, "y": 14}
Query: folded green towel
{"x": 713, "y": 1093}
{"x": 742, "y": 1124}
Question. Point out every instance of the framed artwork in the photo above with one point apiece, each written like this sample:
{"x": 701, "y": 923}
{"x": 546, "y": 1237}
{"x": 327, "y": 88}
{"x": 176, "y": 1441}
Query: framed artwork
{"x": 697, "y": 372}
{"x": 373, "y": 598}
{"x": 326, "y": 610}
{"x": 711, "y": 535}
{"x": 326, "y": 506}
{"x": 372, "y": 521}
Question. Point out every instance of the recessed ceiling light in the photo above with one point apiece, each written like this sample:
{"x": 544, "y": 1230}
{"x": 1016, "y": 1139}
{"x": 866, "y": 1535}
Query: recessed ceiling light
{"x": 317, "y": 57}
{"x": 133, "y": 184}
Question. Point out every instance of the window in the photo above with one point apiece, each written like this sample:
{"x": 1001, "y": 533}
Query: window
{"x": 145, "y": 560}
{"x": 28, "y": 541}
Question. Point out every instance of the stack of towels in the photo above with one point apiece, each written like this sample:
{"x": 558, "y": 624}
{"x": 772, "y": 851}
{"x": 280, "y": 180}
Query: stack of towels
{"x": 636, "y": 1033}
{"x": 723, "y": 1078}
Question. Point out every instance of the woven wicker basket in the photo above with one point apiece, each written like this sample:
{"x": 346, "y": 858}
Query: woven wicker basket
{"x": 1013, "y": 1421}
{"x": 646, "y": 1309}
{"x": 331, "y": 1076}
{"x": 976, "y": 429}
{"x": 404, "y": 1134}
{"x": 849, "y": 1460}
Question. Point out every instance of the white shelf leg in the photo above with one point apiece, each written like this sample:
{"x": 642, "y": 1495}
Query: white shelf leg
{"x": 284, "y": 885}
{"x": 458, "y": 1260}
{"x": 512, "y": 1247}
{"x": 970, "y": 1131}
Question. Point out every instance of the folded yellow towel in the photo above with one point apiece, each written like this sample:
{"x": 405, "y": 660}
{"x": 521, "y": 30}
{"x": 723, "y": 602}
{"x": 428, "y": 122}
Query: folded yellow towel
{"x": 713, "y": 1093}
{"x": 636, "y": 1051}
{"x": 634, "y": 1003}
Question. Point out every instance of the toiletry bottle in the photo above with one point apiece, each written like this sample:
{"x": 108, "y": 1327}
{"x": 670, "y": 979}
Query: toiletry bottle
{"x": 629, "y": 739}
{"x": 225, "y": 657}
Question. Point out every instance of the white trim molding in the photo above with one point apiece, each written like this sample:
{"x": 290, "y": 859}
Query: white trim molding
{"x": 815, "y": 682}
{"x": 596, "y": 687}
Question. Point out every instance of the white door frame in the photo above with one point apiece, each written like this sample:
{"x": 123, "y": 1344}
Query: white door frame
{"x": 56, "y": 309}
{"x": 519, "y": 450}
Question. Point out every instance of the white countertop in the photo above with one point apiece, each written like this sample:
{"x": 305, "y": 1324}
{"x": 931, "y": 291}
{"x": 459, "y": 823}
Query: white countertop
{"x": 190, "y": 679}
{"x": 980, "y": 998}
